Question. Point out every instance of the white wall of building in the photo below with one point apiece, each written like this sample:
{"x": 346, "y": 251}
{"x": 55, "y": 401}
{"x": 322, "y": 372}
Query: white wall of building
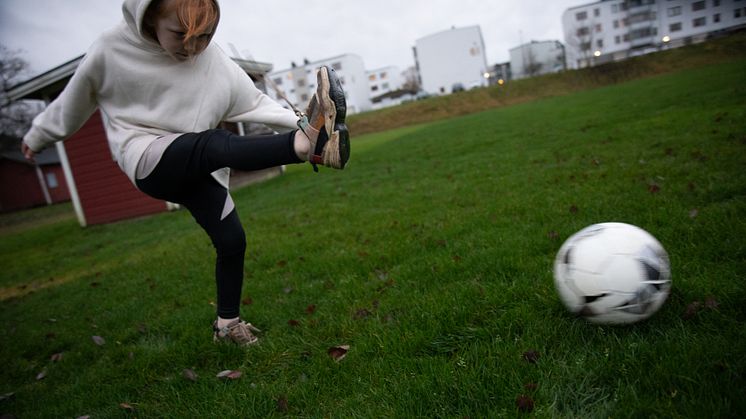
{"x": 536, "y": 58}
{"x": 616, "y": 29}
{"x": 453, "y": 56}
{"x": 299, "y": 83}
{"x": 384, "y": 80}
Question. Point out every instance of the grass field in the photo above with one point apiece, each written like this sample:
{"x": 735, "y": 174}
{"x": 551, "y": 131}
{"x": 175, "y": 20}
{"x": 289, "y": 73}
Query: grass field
{"x": 430, "y": 256}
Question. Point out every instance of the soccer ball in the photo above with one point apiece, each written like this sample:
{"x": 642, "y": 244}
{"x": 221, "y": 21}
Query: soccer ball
{"x": 612, "y": 273}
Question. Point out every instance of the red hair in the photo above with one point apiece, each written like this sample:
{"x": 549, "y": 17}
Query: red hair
{"x": 196, "y": 16}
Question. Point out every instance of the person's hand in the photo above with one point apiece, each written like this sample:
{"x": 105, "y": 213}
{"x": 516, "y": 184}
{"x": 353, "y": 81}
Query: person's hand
{"x": 28, "y": 152}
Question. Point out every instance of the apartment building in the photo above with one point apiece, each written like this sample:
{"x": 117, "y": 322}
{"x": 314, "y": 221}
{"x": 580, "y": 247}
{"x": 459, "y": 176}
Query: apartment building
{"x": 611, "y": 30}
{"x": 451, "y": 59}
{"x": 536, "y": 58}
{"x": 299, "y": 82}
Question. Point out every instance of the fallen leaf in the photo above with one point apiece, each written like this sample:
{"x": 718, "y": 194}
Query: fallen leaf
{"x": 98, "y": 340}
{"x": 693, "y": 213}
{"x": 229, "y": 375}
{"x": 524, "y": 403}
{"x": 574, "y": 209}
{"x": 41, "y": 375}
{"x": 691, "y": 310}
{"x": 282, "y": 263}
{"x": 56, "y": 357}
{"x": 247, "y": 301}
{"x": 531, "y": 356}
{"x": 282, "y": 404}
{"x": 293, "y": 323}
{"x": 654, "y": 188}
{"x": 311, "y": 309}
{"x": 362, "y": 313}
{"x": 6, "y": 396}
{"x": 126, "y": 406}
{"x": 287, "y": 290}
{"x": 338, "y": 352}
{"x": 189, "y": 374}
{"x": 711, "y": 303}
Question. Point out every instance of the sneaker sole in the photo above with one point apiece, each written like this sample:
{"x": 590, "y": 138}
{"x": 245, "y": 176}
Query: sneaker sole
{"x": 332, "y": 96}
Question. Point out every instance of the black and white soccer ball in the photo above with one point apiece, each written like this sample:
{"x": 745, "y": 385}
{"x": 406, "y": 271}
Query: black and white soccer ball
{"x": 612, "y": 273}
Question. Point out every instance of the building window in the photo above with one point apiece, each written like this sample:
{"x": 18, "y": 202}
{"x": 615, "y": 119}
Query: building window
{"x": 617, "y": 39}
{"x": 737, "y": 13}
{"x": 616, "y": 24}
{"x": 304, "y": 97}
{"x": 599, "y": 43}
{"x": 383, "y": 75}
{"x": 674, "y": 27}
{"x": 598, "y": 27}
{"x": 278, "y": 80}
{"x": 373, "y": 88}
{"x": 716, "y": 18}
{"x": 674, "y": 11}
{"x": 583, "y": 31}
{"x": 301, "y": 82}
{"x": 698, "y": 5}
{"x": 715, "y": 3}
{"x": 700, "y": 21}
{"x": 581, "y": 16}
{"x": 385, "y": 86}
{"x": 614, "y": 8}
{"x": 52, "y": 180}
{"x": 596, "y": 12}
{"x": 372, "y": 77}
{"x": 337, "y": 66}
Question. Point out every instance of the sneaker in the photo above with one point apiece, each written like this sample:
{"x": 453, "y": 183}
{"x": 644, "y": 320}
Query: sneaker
{"x": 326, "y": 129}
{"x": 238, "y": 332}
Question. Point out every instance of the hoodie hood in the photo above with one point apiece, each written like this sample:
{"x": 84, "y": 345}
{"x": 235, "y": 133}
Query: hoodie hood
{"x": 134, "y": 13}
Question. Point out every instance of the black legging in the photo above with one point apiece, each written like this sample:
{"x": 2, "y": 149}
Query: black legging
{"x": 183, "y": 176}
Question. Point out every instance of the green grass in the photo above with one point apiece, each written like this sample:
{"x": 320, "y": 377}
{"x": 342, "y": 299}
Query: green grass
{"x": 431, "y": 256}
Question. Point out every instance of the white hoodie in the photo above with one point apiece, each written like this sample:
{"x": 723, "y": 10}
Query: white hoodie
{"x": 143, "y": 94}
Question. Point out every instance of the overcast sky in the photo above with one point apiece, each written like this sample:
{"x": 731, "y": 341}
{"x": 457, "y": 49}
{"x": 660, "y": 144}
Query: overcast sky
{"x": 382, "y": 32}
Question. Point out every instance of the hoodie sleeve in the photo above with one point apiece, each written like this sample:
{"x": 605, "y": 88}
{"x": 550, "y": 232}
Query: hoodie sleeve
{"x": 252, "y": 105}
{"x": 67, "y": 113}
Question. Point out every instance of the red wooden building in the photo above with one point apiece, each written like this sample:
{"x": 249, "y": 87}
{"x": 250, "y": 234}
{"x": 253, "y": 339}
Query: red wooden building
{"x": 99, "y": 190}
{"x": 24, "y": 185}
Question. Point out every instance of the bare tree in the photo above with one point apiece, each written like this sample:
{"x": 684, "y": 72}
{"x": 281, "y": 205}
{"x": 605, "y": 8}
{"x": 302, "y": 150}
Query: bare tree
{"x": 411, "y": 82}
{"x": 581, "y": 40}
{"x": 15, "y": 117}
{"x": 531, "y": 67}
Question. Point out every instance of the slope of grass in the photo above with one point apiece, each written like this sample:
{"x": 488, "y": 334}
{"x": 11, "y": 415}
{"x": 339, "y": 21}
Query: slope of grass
{"x": 430, "y": 256}
{"x": 729, "y": 48}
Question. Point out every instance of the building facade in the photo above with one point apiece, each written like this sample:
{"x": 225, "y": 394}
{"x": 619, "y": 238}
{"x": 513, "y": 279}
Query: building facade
{"x": 298, "y": 83}
{"x": 384, "y": 80}
{"x": 611, "y": 30}
{"x": 537, "y": 58}
{"x": 451, "y": 60}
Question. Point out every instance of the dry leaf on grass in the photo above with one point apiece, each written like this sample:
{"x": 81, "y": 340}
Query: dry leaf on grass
{"x": 524, "y": 403}
{"x": 189, "y": 374}
{"x": 338, "y": 352}
{"x": 98, "y": 340}
{"x": 229, "y": 375}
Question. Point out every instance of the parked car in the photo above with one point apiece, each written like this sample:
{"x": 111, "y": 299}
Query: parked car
{"x": 457, "y": 87}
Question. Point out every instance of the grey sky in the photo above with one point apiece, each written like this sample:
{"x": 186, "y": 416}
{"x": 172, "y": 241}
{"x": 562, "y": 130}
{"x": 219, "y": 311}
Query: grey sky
{"x": 382, "y": 32}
